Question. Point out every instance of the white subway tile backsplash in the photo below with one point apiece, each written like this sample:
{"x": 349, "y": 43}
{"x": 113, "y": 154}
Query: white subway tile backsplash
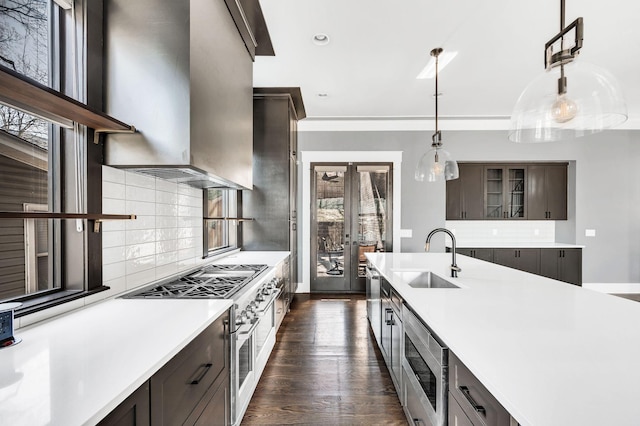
{"x": 110, "y": 174}
{"x": 135, "y": 251}
{"x": 112, "y": 238}
{"x": 137, "y": 279}
{"x": 114, "y": 206}
{"x": 140, "y": 180}
{"x": 137, "y": 193}
{"x": 166, "y": 209}
{"x": 166, "y": 246}
{"x": 163, "y": 222}
{"x": 113, "y": 271}
{"x": 113, "y": 190}
{"x": 167, "y": 198}
{"x": 503, "y": 231}
{"x": 113, "y": 255}
{"x": 166, "y": 234}
{"x": 139, "y": 236}
{"x": 139, "y": 264}
{"x": 166, "y": 237}
{"x": 166, "y": 258}
{"x": 141, "y": 208}
{"x": 141, "y": 222}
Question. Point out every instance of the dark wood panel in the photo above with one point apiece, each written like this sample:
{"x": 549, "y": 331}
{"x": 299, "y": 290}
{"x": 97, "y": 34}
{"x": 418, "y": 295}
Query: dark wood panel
{"x": 556, "y": 180}
{"x": 325, "y": 369}
{"x": 29, "y": 95}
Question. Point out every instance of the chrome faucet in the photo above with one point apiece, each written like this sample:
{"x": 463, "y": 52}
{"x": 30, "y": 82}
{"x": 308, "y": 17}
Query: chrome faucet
{"x": 454, "y": 267}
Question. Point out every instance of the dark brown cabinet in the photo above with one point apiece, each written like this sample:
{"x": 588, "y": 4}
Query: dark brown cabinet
{"x": 547, "y": 192}
{"x": 133, "y": 411}
{"x": 272, "y": 202}
{"x": 559, "y": 264}
{"x": 505, "y": 191}
{"x": 183, "y": 389}
{"x": 465, "y": 198}
{"x": 525, "y": 259}
{"x": 477, "y": 253}
{"x": 562, "y": 264}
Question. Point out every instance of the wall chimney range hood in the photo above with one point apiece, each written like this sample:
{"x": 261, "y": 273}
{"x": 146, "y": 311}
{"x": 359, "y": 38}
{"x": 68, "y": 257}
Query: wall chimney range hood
{"x": 183, "y": 73}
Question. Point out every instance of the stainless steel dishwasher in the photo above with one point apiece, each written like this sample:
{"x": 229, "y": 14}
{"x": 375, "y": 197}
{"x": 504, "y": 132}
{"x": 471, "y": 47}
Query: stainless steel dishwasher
{"x": 424, "y": 374}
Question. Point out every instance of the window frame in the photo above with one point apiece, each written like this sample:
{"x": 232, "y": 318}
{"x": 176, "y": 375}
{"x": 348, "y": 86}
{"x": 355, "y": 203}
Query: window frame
{"x": 231, "y": 207}
{"x": 76, "y": 279}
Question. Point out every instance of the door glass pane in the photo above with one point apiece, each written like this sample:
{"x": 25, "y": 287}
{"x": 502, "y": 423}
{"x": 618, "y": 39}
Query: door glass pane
{"x": 330, "y": 193}
{"x": 372, "y": 212}
{"x": 516, "y": 193}
{"x": 494, "y": 193}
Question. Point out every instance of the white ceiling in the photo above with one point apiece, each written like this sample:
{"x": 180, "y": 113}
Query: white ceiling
{"x": 378, "y": 47}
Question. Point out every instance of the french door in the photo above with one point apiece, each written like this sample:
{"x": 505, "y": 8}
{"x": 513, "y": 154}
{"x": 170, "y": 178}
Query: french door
{"x": 350, "y": 216}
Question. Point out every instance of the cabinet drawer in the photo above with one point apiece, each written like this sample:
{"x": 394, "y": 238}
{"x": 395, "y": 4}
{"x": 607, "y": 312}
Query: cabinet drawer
{"x": 476, "y": 401}
{"x": 179, "y": 386}
{"x": 457, "y": 416}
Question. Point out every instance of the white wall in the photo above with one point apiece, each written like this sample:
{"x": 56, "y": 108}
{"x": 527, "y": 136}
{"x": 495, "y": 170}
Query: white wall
{"x": 604, "y": 187}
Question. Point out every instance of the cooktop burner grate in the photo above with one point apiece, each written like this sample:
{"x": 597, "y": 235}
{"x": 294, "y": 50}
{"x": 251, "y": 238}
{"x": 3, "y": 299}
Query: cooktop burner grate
{"x": 210, "y": 282}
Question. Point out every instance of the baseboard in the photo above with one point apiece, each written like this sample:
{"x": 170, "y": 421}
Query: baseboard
{"x": 617, "y": 288}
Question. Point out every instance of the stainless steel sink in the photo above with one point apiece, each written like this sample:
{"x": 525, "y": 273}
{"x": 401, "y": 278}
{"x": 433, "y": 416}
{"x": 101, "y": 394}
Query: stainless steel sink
{"x": 425, "y": 279}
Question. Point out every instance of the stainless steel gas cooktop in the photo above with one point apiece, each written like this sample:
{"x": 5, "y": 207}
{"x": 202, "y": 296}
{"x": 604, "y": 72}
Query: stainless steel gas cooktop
{"x": 208, "y": 282}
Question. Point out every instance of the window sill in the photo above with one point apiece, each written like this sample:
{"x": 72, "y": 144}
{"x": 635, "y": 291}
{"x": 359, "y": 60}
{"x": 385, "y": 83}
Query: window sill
{"x": 40, "y": 302}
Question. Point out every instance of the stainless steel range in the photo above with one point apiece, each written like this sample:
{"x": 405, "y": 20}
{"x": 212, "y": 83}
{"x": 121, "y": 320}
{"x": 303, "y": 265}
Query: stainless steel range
{"x": 254, "y": 289}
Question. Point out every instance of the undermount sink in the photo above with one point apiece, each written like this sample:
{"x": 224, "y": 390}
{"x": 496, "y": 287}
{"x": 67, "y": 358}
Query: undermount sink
{"x": 425, "y": 279}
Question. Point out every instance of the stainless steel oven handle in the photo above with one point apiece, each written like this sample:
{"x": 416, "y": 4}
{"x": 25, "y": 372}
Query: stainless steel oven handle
{"x": 467, "y": 394}
{"x": 253, "y": 327}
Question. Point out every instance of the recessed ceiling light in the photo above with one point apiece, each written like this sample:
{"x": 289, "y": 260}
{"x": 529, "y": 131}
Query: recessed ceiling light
{"x": 429, "y": 70}
{"x": 320, "y": 39}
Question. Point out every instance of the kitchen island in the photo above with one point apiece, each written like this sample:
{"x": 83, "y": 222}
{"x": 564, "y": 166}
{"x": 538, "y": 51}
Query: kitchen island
{"x": 550, "y": 352}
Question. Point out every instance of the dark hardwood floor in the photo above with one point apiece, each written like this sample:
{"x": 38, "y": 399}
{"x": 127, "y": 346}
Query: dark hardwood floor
{"x": 325, "y": 369}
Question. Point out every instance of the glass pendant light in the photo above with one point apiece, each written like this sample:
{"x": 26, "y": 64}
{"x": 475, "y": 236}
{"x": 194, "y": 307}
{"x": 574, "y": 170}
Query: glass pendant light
{"x": 570, "y": 99}
{"x": 436, "y": 164}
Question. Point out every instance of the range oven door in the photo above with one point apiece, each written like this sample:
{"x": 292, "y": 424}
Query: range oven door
{"x": 244, "y": 376}
{"x": 424, "y": 370}
{"x": 265, "y": 335}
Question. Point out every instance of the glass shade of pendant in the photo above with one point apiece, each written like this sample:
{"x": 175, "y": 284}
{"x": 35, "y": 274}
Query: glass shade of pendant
{"x": 593, "y": 102}
{"x": 436, "y": 165}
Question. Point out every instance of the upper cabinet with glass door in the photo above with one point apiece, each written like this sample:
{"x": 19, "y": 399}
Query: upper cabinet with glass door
{"x": 504, "y": 192}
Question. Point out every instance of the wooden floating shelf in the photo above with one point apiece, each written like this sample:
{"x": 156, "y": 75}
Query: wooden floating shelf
{"x": 32, "y": 97}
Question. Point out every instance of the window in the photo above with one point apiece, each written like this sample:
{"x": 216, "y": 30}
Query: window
{"x": 221, "y": 233}
{"x": 43, "y": 167}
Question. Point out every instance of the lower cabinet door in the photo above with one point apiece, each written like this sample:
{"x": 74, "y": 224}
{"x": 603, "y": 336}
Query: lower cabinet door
{"x": 218, "y": 408}
{"x": 397, "y": 336}
{"x": 133, "y": 411}
{"x": 457, "y": 416}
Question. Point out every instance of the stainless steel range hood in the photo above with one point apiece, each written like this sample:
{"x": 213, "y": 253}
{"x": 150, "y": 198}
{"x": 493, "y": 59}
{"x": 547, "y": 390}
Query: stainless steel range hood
{"x": 182, "y": 74}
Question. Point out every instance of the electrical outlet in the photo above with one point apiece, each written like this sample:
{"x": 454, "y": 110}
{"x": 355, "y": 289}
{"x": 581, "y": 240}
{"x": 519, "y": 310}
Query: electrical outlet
{"x": 589, "y": 232}
{"x": 494, "y": 231}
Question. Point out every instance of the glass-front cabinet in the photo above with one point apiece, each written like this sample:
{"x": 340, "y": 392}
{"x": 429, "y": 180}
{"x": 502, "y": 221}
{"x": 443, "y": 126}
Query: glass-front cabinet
{"x": 505, "y": 192}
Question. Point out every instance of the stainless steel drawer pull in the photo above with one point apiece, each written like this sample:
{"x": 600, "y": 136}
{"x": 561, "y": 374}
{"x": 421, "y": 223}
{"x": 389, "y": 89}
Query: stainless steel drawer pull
{"x": 479, "y": 408}
{"x": 207, "y": 367}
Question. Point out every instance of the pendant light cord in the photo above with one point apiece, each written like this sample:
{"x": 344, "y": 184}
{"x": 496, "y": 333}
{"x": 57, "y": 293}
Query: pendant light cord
{"x": 436, "y": 138}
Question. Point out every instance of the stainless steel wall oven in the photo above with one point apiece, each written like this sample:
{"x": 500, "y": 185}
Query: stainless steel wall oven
{"x": 425, "y": 374}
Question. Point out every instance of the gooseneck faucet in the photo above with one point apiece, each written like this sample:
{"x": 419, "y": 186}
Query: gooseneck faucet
{"x": 454, "y": 267}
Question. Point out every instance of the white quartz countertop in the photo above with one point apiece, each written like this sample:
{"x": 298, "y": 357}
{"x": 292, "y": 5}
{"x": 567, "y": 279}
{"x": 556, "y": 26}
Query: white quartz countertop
{"x": 519, "y": 244}
{"x": 74, "y": 369}
{"x": 550, "y": 352}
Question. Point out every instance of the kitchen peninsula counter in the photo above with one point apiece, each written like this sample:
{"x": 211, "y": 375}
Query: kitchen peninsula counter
{"x": 550, "y": 352}
{"x": 76, "y": 368}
